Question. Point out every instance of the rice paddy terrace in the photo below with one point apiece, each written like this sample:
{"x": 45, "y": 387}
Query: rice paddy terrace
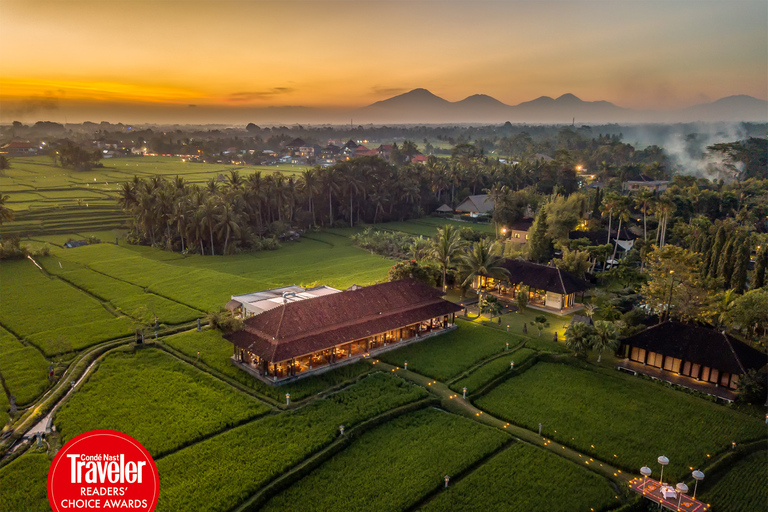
{"x": 51, "y": 200}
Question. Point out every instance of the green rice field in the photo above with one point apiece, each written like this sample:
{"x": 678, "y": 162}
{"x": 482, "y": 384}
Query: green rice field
{"x": 163, "y": 403}
{"x": 618, "y": 418}
{"x": 437, "y": 444}
{"x": 23, "y": 368}
{"x": 492, "y": 369}
{"x": 743, "y": 488}
{"x": 23, "y": 484}
{"x": 447, "y": 355}
{"x": 525, "y": 479}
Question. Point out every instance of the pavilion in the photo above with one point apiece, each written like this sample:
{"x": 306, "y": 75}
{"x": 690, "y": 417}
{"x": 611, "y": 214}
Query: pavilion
{"x": 549, "y": 288}
{"x": 692, "y": 356}
{"x": 304, "y": 337}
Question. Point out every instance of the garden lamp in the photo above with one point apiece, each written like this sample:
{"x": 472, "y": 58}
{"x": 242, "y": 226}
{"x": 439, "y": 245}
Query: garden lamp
{"x": 663, "y": 461}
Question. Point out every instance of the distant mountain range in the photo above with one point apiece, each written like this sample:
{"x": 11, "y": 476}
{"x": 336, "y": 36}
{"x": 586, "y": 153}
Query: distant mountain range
{"x": 421, "y": 106}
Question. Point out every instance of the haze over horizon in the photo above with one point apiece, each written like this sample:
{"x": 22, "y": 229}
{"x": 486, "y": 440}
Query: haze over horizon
{"x": 204, "y": 61}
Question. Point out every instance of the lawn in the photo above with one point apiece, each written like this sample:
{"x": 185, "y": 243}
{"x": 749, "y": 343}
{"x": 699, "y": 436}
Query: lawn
{"x": 221, "y": 472}
{"x": 526, "y": 479}
{"x": 743, "y": 488}
{"x": 216, "y": 352}
{"x": 425, "y": 445}
{"x": 23, "y": 484}
{"x": 447, "y": 355}
{"x": 492, "y": 369}
{"x": 24, "y": 369}
{"x": 621, "y": 419}
{"x": 163, "y": 403}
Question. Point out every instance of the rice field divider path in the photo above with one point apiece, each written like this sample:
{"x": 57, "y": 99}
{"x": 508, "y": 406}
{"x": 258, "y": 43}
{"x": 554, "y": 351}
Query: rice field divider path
{"x": 469, "y": 371}
{"x": 454, "y": 402}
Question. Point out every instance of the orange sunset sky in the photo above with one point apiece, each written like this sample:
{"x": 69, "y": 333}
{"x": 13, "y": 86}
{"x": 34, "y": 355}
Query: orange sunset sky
{"x": 146, "y": 61}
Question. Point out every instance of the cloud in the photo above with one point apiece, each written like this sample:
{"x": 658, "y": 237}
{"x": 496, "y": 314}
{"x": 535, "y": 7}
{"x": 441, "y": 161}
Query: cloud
{"x": 259, "y": 95}
{"x": 389, "y": 91}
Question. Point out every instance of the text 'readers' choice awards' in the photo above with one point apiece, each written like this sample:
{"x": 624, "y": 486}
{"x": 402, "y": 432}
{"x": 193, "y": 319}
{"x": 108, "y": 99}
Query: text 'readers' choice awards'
{"x": 103, "y": 470}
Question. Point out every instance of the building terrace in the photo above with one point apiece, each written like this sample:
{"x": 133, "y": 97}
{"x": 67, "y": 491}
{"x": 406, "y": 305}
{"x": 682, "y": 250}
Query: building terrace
{"x": 305, "y": 337}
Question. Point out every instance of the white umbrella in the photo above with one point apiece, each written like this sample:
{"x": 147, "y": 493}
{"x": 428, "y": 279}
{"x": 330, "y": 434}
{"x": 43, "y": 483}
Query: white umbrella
{"x": 663, "y": 461}
{"x": 681, "y": 489}
{"x": 697, "y": 475}
{"x": 646, "y": 472}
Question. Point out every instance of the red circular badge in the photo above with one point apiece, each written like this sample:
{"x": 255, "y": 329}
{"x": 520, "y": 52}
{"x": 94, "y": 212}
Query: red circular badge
{"x": 103, "y": 470}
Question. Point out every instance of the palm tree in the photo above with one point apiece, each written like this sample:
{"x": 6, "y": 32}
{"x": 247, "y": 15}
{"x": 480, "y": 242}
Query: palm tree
{"x": 492, "y": 306}
{"x": 310, "y": 185}
{"x": 328, "y": 178}
{"x": 208, "y": 212}
{"x": 578, "y": 337}
{"x": 228, "y": 220}
{"x": 354, "y": 185}
{"x": 609, "y": 206}
{"x": 6, "y": 214}
{"x": 606, "y": 336}
{"x": 622, "y": 212}
{"x": 482, "y": 260}
{"x": 420, "y": 248}
{"x": 723, "y": 305}
{"x": 664, "y": 207}
{"x": 446, "y": 248}
{"x": 642, "y": 200}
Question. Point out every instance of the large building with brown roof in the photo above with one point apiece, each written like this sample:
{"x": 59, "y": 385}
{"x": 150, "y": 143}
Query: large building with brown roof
{"x": 297, "y": 338}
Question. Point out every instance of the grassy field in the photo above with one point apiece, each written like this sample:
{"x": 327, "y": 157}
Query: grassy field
{"x": 618, "y": 418}
{"x": 743, "y": 488}
{"x": 24, "y": 369}
{"x": 22, "y": 484}
{"x": 163, "y": 403}
{"x": 436, "y": 444}
{"x": 216, "y": 352}
{"x": 220, "y": 472}
{"x": 447, "y": 355}
{"x": 492, "y": 369}
{"x": 525, "y": 479}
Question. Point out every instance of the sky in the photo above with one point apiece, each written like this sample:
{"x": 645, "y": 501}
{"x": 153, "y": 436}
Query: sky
{"x": 150, "y": 61}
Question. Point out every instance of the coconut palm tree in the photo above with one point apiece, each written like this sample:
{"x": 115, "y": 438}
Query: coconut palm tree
{"x": 483, "y": 260}
{"x": 6, "y": 214}
{"x": 492, "y": 306}
{"x": 578, "y": 337}
{"x": 446, "y": 248}
{"x": 606, "y": 337}
{"x": 329, "y": 178}
{"x": 610, "y": 202}
{"x": 622, "y": 212}
{"x": 227, "y": 220}
{"x": 208, "y": 211}
{"x": 310, "y": 186}
{"x": 643, "y": 199}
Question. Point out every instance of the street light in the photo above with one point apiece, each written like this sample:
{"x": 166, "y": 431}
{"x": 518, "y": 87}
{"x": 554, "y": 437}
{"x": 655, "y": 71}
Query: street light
{"x": 697, "y": 475}
{"x": 663, "y": 461}
{"x": 646, "y": 472}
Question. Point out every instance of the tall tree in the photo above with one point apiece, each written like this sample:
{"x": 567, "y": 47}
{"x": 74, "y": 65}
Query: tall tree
{"x": 643, "y": 200}
{"x": 539, "y": 244}
{"x": 578, "y": 337}
{"x": 446, "y": 248}
{"x": 741, "y": 265}
{"x": 606, "y": 337}
{"x": 622, "y": 212}
{"x": 6, "y": 214}
{"x": 717, "y": 248}
{"x": 483, "y": 260}
{"x": 758, "y": 279}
